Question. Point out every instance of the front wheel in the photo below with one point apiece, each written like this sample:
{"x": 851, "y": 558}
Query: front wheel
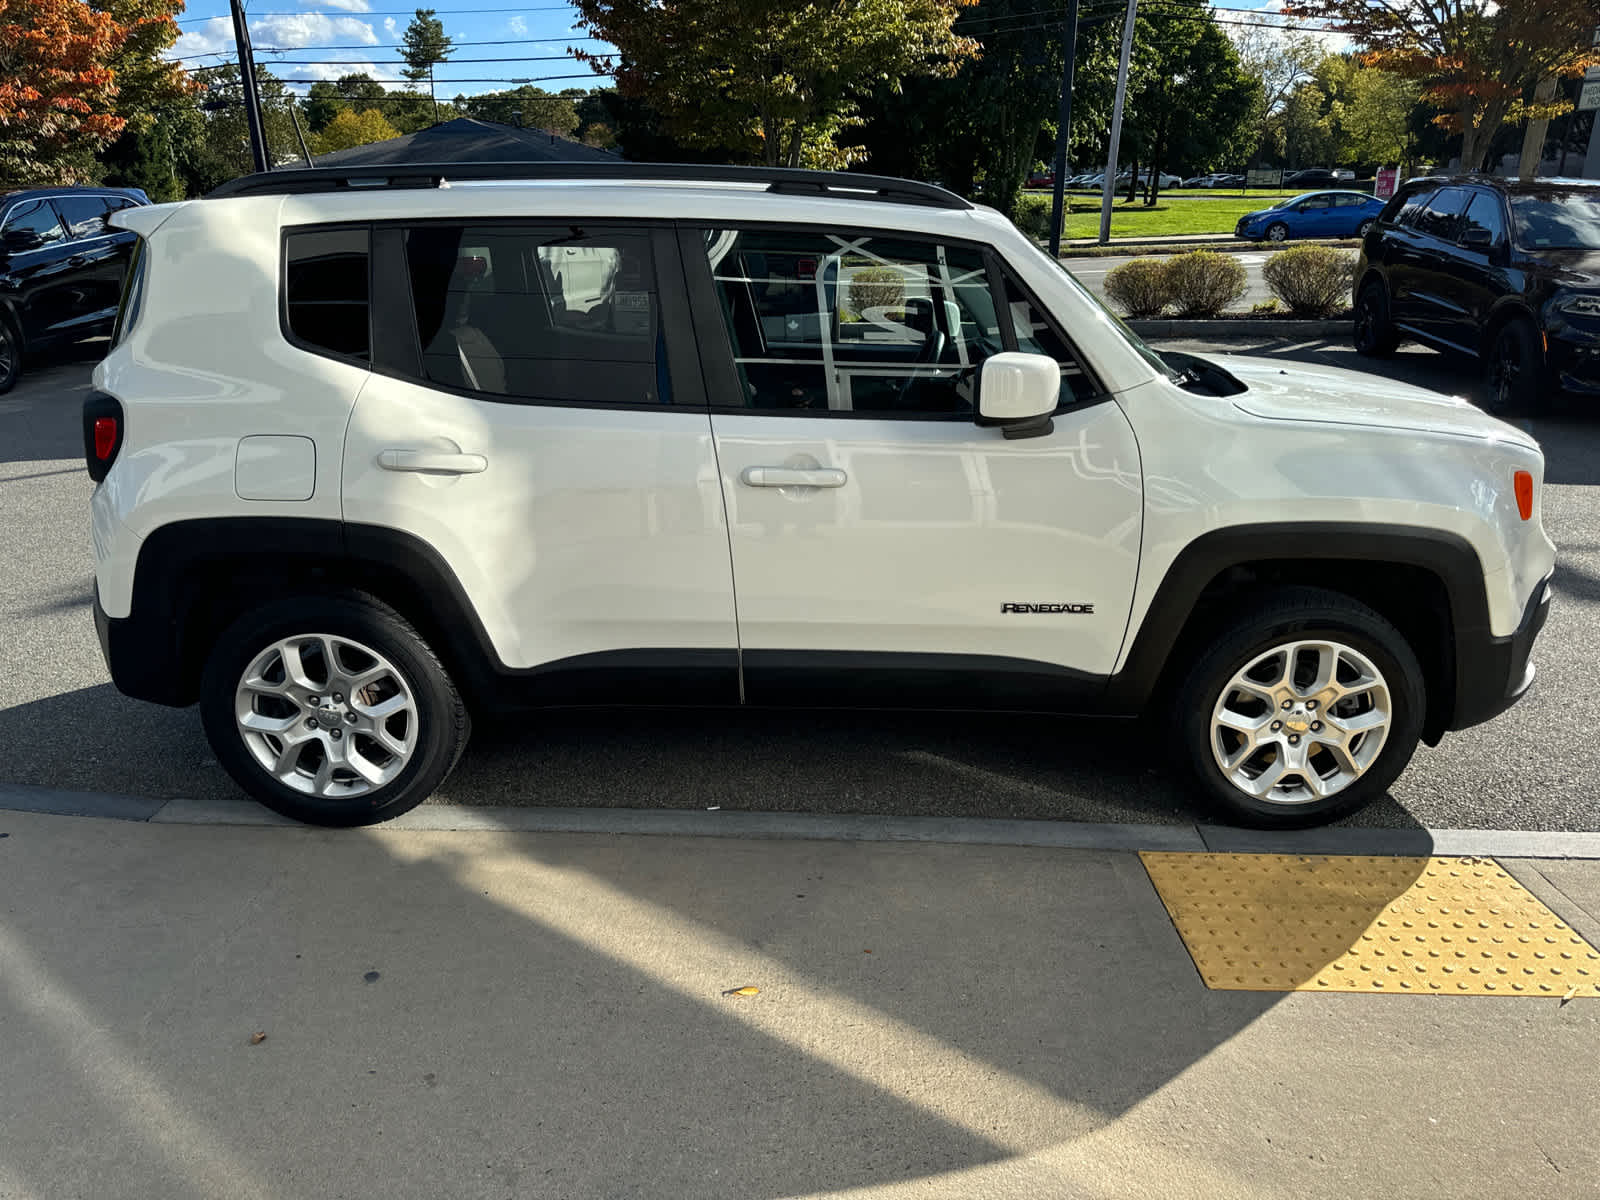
{"x": 1305, "y": 709}
{"x": 331, "y": 709}
{"x": 1277, "y": 232}
{"x": 1515, "y": 381}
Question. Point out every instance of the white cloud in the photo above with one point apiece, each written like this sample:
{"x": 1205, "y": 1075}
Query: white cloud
{"x": 346, "y": 5}
{"x": 310, "y": 29}
{"x": 208, "y": 37}
{"x": 391, "y": 27}
{"x": 517, "y": 25}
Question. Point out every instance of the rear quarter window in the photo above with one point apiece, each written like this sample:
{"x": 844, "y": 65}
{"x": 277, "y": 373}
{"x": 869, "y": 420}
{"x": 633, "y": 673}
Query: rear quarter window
{"x": 326, "y": 292}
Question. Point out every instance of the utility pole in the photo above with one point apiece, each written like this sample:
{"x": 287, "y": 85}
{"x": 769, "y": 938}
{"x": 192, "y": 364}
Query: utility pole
{"x": 247, "y": 82}
{"x": 1109, "y": 189}
{"x": 1064, "y": 129}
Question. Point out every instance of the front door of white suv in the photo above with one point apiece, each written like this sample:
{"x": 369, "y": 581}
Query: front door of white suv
{"x": 536, "y": 419}
{"x": 883, "y": 542}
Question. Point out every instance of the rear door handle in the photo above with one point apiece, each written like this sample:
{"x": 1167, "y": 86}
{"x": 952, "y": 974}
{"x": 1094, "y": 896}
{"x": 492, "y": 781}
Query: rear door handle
{"x": 432, "y": 462}
{"x": 828, "y": 477}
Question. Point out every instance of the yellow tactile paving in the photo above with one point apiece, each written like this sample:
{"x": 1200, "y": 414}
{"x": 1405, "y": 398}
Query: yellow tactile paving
{"x": 1316, "y": 923}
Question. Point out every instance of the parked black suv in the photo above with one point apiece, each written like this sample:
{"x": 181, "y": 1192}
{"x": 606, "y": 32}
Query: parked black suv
{"x": 61, "y": 268}
{"x": 1504, "y": 270}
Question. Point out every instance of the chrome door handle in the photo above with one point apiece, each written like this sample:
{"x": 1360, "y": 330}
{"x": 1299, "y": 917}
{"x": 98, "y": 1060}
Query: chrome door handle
{"x": 828, "y": 477}
{"x": 432, "y": 462}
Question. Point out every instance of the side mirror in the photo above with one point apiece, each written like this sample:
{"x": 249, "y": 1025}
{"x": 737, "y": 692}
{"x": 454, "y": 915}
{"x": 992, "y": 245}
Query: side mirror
{"x": 18, "y": 241}
{"x": 1019, "y": 392}
{"x": 1477, "y": 239}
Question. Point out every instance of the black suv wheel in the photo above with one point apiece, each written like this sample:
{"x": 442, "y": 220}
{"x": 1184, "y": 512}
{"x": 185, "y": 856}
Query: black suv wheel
{"x": 10, "y": 355}
{"x": 1375, "y": 334}
{"x": 1515, "y": 379}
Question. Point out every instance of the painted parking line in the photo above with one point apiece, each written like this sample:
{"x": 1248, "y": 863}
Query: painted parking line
{"x": 1349, "y": 923}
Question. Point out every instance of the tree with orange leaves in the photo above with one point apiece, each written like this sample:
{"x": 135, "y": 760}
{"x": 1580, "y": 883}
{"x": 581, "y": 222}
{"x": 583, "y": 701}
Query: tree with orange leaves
{"x": 1478, "y": 59}
{"x": 57, "y": 89}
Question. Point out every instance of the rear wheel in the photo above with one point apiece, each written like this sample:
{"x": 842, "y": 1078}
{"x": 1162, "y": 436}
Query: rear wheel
{"x": 10, "y": 355}
{"x": 1305, "y": 709}
{"x": 331, "y": 710}
{"x": 1515, "y": 380}
{"x": 1365, "y": 227}
{"x": 1375, "y": 334}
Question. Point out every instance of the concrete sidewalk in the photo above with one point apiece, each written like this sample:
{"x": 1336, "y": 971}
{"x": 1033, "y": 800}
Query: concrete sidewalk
{"x": 507, "y": 1014}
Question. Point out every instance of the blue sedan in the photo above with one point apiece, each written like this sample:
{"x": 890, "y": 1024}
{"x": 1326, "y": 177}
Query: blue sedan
{"x": 1313, "y": 215}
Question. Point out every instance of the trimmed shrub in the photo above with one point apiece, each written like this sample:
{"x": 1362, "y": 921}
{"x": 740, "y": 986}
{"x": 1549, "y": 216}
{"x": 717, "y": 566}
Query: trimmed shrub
{"x": 1314, "y": 281}
{"x": 876, "y": 287}
{"x": 1031, "y": 214}
{"x": 1203, "y": 282}
{"x": 1139, "y": 288}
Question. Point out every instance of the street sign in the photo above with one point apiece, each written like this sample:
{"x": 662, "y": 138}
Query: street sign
{"x": 1589, "y": 95}
{"x": 1383, "y": 186}
{"x": 1264, "y": 177}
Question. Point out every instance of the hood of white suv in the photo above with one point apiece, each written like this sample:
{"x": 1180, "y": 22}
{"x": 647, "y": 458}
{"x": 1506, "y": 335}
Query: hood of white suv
{"x": 1282, "y": 391}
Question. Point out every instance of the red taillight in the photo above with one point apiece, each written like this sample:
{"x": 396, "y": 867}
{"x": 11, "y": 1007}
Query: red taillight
{"x": 1523, "y": 482}
{"x": 105, "y": 437}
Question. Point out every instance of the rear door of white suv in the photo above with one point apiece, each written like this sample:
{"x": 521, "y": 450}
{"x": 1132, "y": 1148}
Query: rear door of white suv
{"x": 536, "y": 419}
{"x": 886, "y": 549}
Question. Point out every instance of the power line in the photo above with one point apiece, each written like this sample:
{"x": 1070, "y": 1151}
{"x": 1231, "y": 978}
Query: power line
{"x": 389, "y": 12}
{"x": 339, "y": 62}
{"x": 381, "y": 46}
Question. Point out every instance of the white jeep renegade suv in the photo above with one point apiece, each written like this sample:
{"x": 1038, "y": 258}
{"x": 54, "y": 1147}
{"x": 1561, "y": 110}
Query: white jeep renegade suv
{"x": 378, "y": 448}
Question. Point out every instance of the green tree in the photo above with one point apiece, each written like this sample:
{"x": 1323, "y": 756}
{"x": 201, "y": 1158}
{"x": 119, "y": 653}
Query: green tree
{"x": 1193, "y": 100}
{"x": 221, "y": 147}
{"x": 1279, "y": 62}
{"x": 350, "y": 128}
{"x": 534, "y": 107}
{"x": 1376, "y": 117}
{"x": 778, "y": 80}
{"x": 423, "y": 46}
{"x": 349, "y": 93}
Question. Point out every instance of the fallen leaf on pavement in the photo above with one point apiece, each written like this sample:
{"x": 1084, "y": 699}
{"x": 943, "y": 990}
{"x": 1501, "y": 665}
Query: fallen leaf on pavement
{"x": 743, "y": 991}
{"x": 257, "y": 1038}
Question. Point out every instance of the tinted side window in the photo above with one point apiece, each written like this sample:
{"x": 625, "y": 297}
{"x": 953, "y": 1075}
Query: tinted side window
{"x": 31, "y": 225}
{"x": 1413, "y": 206}
{"x": 326, "y": 285}
{"x": 84, "y": 216}
{"x": 1484, "y": 213}
{"x": 539, "y": 312}
{"x": 1443, "y": 216}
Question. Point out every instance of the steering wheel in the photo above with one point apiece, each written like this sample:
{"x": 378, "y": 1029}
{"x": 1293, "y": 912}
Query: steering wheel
{"x": 920, "y": 316}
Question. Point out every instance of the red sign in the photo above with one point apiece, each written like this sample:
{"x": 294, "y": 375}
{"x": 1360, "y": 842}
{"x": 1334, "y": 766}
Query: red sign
{"x": 1388, "y": 178}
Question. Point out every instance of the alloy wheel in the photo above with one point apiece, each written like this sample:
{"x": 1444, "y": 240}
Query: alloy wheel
{"x": 326, "y": 715}
{"x": 1505, "y": 370}
{"x": 1301, "y": 722}
{"x": 1278, "y": 233}
{"x": 8, "y": 351}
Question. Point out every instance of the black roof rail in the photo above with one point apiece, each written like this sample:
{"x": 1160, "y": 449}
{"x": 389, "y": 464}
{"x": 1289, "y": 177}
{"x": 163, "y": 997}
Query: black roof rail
{"x": 794, "y": 181}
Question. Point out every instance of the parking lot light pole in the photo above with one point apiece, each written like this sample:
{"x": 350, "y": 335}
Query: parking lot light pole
{"x": 1108, "y": 192}
{"x": 1063, "y": 129}
{"x": 247, "y": 84}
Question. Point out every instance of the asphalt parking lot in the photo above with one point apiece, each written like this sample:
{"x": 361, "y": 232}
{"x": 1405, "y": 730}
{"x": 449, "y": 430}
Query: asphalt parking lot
{"x": 62, "y": 725}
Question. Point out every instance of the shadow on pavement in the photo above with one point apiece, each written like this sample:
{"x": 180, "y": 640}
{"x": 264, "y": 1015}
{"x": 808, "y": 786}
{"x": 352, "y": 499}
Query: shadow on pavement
{"x": 491, "y": 1014}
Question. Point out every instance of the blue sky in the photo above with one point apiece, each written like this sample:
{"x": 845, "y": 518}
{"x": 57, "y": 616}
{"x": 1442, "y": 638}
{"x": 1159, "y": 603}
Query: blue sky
{"x": 306, "y": 40}
{"x": 323, "y": 39}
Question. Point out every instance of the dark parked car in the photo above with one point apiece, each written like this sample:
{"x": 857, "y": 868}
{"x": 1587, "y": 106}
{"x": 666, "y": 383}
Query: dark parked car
{"x": 1313, "y": 215}
{"x": 61, "y": 268}
{"x": 1318, "y": 177}
{"x": 1502, "y": 270}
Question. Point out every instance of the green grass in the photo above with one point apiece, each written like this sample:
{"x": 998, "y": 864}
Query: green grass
{"x": 1171, "y": 215}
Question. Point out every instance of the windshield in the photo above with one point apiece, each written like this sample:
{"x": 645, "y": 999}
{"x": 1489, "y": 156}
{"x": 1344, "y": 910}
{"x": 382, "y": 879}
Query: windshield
{"x": 1557, "y": 220}
{"x": 1132, "y": 338}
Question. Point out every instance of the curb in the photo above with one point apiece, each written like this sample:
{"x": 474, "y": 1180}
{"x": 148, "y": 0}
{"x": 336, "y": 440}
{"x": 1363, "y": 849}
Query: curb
{"x": 1224, "y": 328}
{"x": 846, "y": 827}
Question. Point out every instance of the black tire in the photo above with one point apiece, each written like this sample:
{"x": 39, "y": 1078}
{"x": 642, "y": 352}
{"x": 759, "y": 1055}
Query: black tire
{"x": 1375, "y": 334}
{"x": 1515, "y": 379}
{"x": 1365, "y": 228}
{"x": 10, "y": 355}
{"x": 1277, "y": 232}
{"x": 442, "y": 724}
{"x": 1292, "y": 614}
